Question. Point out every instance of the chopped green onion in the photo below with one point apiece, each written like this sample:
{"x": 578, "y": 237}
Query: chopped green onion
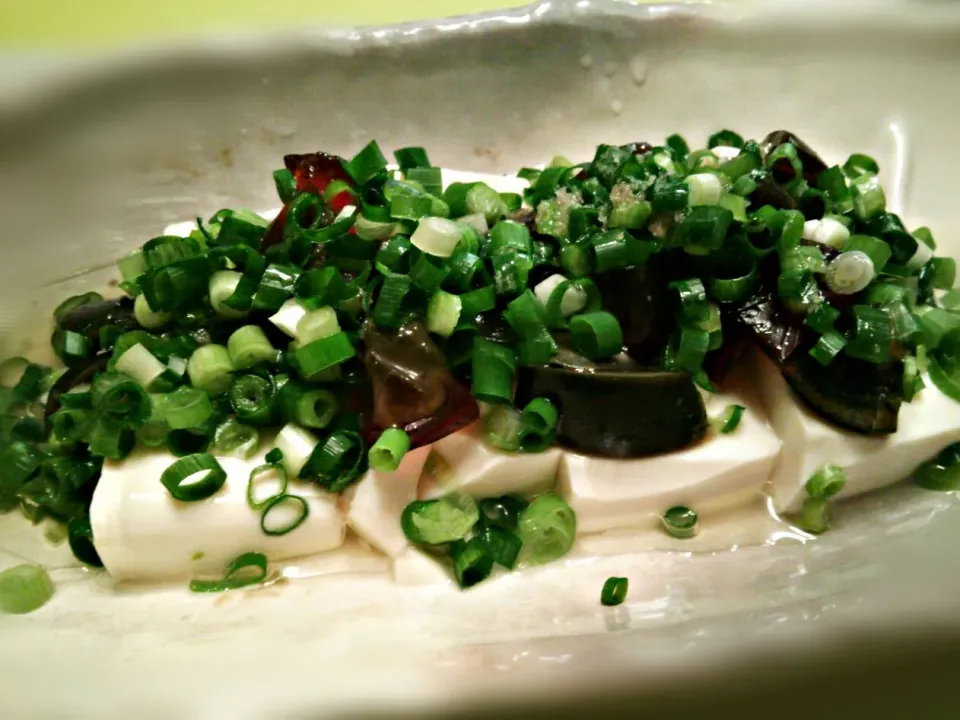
{"x": 312, "y": 408}
{"x": 443, "y": 313}
{"x": 471, "y": 561}
{"x": 859, "y": 164}
{"x": 502, "y": 512}
{"x": 944, "y": 273}
{"x": 632, "y": 215}
{"x": 251, "y": 397}
{"x": 411, "y": 157}
{"x": 121, "y": 399}
{"x": 248, "y": 569}
{"x": 322, "y": 354}
{"x": 596, "y": 335}
{"x": 436, "y": 236}
{"x": 316, "y": 325}
{"x": 146, "y": 317}
{"x": 211, "y": 369}
{"x": 502, "y": 427}
{"x": 538, "y": 425}
{"x": 111, "y": 440}
{"x": 267, "y": 482}
{"x": 441, "y": 521}
{"x": 24, "y": 588}
{"x": 501, "y": 545}
{"x": 274, "y": 456}
{"x": 705, "y": 189}
{"x": 547, "y": 528}
{"x": 140, "y": 364}
{"x": 935, "y": 323}
{"x": 338, "y": 461}
{"x": 286, "y": 185}
{"x": 283, "y": 514}
{"x": 877, "y": 250}
{"x": 849, "y": 272}
{"x": 868, "y": 198}
{"x": 704, "y": 229}
{"x": 477, "y": 301}
{"x": 132, "y": 266}
{"x": 186, "y": 408}
{"x": 784, "y": 163}
{"x": 431, "y": 178}
{"x": 180, "y": 481}
{"x": 249, "y": 346}
{"x": 680, "y": 522}
{"x": 873, "y": 335}
{"x": 387, "y": 452}
{"x": 729, "y": 419}
{"x": 942, "y": 473}
{"x": 366, "y": 163}
{"x": 813, "y": 517}
{"x": 296, "y": 445}
{"x": 826, "y": 482}
{"x": 235, "y": 438}
{"x": 483, "y": 199}
{"x": 493, "y": 368}
{"x": 410, "y": 207}
{"x": 614, "y": 591}
{"x": 223, "y": 284}
{"x": 725, "y": 137}
{"x": 80, "y": 537}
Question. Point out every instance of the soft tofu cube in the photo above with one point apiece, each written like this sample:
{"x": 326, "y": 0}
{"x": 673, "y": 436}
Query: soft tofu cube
{"x": 142, "y": 533}
{"x": 925, "y": 426}
{"x": 415, "y": 567}
{"x": 376, "y": 502}
{"x": 717, "y": 473}
{"x": 482, "y": 470}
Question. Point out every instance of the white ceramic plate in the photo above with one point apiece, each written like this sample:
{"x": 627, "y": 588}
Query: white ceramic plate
{"x": 98, "y": 157}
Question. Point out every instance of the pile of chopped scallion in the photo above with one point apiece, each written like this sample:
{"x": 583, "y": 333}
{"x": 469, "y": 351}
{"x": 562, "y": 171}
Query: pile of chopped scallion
{"x": 251, "y": 325}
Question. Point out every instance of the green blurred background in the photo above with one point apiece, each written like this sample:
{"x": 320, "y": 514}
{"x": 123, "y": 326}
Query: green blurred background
{"x": 98, "y": 23}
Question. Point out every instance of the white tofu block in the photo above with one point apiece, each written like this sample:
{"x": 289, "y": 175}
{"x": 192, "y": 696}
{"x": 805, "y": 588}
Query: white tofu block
{"x": 142, "y": 533}
{"x": 717, "y": 473}
{"x": 484, "y": 471}
{"x": 926, "y": 426}
{"x": 415, "y": 567}
{"x": 377, "y": 500}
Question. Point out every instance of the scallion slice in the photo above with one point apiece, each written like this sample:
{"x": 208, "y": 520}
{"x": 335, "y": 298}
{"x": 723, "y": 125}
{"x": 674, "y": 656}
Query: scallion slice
{"x": 186, "y": 408}
{"x": 210, "y": 369}
{"x": 322, "y": 354}
{"x": 146, "y": 317}
{"x": 729, "y": 419}
{"x": 249, "y": 346}
{"x": 547, "y": 528}
{"x": 283, "y": 514}
{"x": 826, "y": 482}
{"x": 614, "y": 591}
{"x": 502, "y": 427}
{"x": 248, "y": 569}
{"x": 813, "y": 517}
{"x": 297, "y": 445}
{"x": 471, "y": 561}
{"x": 366, "y": 163}
{"x": 267, "y": 482}
{"x": 942, "y": 473}
{"x": 24, "y": 588}
{"x": 440, "y": 521}
{"x": 235, "y": 438}
{"x": 850, "y": 272}
{"x": 436, "y": 236}
{"x": 251, "y": 397}
{"x": 494, "y": 366}
{"x": 501, "y": 545}
{"x": 338, "y": 461}
{"x": 680, "y": 522}
{"x": 181, "y": 482}
{"x": 387, "y": 452}
{"x": 443, "y": 313}
{"x": 596, "y": 335}
{"x": 538, "y": 425}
